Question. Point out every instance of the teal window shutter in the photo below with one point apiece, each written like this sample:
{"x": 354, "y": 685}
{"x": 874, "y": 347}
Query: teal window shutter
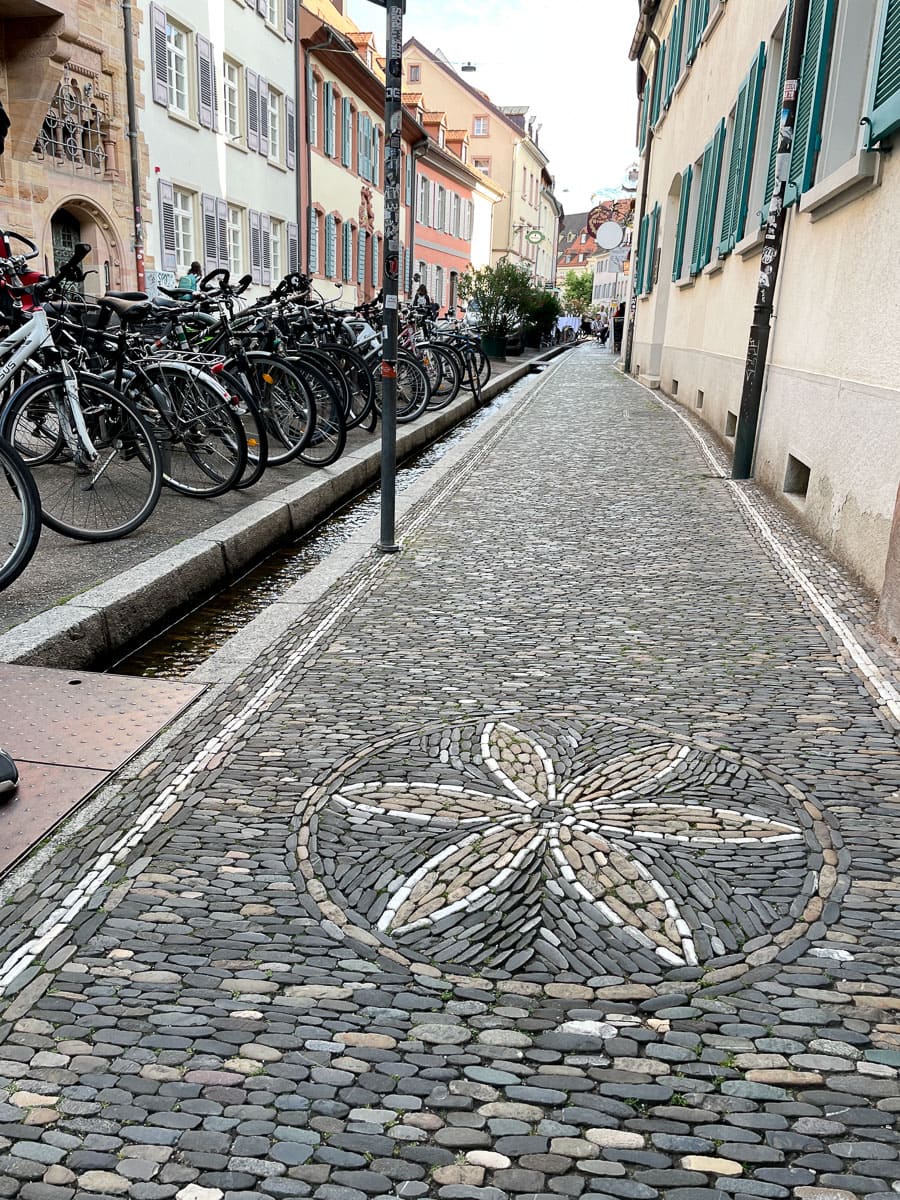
{"x": 330, "y": 247}
{"x": 361, "y": 257}
{"x": 751, "y": 122}
{"x": 409, "y": 177}
{"x": 346, "y": 251}
{"x": 807, "y": 140}
{"x": 735, "y": 166}
{"x": 310, "y": 104}
{"x": 346, "y": 131}
{"x": 360, "y": 151}
{"x": 375, "y": 266}
{"x": 376, "y": 154}
{"x": 674, "y": 68}
{"x": 776, "y": 120}
{"x": 641, "y": 256}
{"x": 313, "y": 242}
{"x": 684, "y": 205}
{"x": 658, "y": 85}
{"x": 651, "y": 248}
{"x": 709, "y": 195}
{"x": 367, "y": 147}
{"x": 328, "y": 101}
{"x": 883, "y": 115}
{"x": 705, "y": 179}
{"x": 699, "y": 15}
{"x": 645, "y": 118}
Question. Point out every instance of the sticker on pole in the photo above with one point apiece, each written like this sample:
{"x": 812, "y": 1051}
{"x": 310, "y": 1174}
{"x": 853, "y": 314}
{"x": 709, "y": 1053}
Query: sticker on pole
{"x": 388, "y": 371}
{"x": 390, "y": 302}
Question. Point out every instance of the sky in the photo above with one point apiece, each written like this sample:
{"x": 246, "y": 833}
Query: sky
{"x": 566, "y": 59}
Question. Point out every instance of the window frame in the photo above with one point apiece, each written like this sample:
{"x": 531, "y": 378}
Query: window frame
{"x": 229, "y": 64}
{"x": 176, "y": 28}
{"x": 478, "y": 119}
{"x": 276, "y": 129}
{"x": 232, "y": 227}
{"x": 181, "y": 216}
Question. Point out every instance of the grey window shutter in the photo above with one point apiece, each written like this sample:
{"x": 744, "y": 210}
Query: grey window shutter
{"x": 263, "y": 117}
{"x": 293, "y": 240}
{"x": 160, "y": 55}
{"x": 266, "y": 240}
{"x": 261, "y": 7}
{"x": 290, "y": 133}
{"x": 210, "y": 233}
{"x": 289, "y": 19}
{"x": 167, "y": 225}
{"x": 255, "y": 247}
{"x": 222, "y": 222}
{"x": 206, "y": 88}
{"x": 252, "y": 110}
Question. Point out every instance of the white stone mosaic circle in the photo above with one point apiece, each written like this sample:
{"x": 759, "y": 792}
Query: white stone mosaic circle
{"x": 534, "y": 849}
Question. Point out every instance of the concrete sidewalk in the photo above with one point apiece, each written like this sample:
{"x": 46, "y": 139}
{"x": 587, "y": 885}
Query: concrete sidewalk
{"x": 555, "y": 856}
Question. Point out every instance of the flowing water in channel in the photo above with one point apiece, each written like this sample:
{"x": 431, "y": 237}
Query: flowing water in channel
{"x": 175, "y": 652}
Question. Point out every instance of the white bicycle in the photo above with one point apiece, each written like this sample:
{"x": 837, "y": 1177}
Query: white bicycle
{"x": 93, "y": 456}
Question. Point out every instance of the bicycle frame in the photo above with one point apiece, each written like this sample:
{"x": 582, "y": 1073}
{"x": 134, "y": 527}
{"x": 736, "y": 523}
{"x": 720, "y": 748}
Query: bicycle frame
{"x": 30, "y": 337}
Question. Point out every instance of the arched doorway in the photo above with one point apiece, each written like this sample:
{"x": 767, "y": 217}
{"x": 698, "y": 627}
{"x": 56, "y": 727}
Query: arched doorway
{"x": 77, "y": 220}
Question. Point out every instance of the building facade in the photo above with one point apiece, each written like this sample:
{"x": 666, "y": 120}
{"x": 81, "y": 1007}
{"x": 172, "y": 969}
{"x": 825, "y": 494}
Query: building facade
{"x": 503, "y": 145}
{"x": 65, "y": 171}
{"x": 575, "y": 246}
{"x": 220, "y": 125}
{"x": 828, "y": 442}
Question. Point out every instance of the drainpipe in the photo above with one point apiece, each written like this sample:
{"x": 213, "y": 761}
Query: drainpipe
{"x": 648, "y": 154}
{"x": 770, "y": 261}
{"x": 133, "y": 147}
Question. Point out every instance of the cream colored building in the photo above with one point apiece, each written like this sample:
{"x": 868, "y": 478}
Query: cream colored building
{"x": 503, "y": 144}
{"x": 828, "y": 443}
{"x": 221, "y": 126}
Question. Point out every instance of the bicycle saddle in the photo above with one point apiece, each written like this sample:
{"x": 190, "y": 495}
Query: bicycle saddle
{"x": 178, "y": 293}
{"x": 126, "y": 310}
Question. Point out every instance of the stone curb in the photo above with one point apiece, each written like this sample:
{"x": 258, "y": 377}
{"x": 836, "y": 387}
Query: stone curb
{"x": 94, "y": 626}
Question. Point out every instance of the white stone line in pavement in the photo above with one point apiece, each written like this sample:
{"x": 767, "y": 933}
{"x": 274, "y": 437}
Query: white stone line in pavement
{"x": 886, "y": 692}
{"x": 103, "y": 866}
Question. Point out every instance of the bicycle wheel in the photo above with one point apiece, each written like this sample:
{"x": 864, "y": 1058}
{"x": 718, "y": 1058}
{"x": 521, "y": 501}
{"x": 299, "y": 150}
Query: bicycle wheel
{"x": 329, "y": 433}
{"x": 202, "y": 440}
{"x": 447, "y": 387}
{"x": 20, "y": 515}
{"x": 413, "y": 389}
{"x": 283, "y": 399}
{"x": 94, "y": 499}
{"x": 255, "y": 434}
{"x": 359, "y": 381}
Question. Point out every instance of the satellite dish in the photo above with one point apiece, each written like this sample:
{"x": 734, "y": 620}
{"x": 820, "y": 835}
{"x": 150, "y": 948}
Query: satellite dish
{"x": 609, "y": 235}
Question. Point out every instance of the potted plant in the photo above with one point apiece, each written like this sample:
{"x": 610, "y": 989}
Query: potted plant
{"x": 500, "y": 294}
{"x": 540, "y": 317}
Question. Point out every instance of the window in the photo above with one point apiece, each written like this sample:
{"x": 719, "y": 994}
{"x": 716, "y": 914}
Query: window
{"x": 438, "y": 292}
{"x": 329, "y": 103}
{"x": 415, "y": 73}
{"x": 272, "y": 12}
{"x": 177, "y": 67}
{"x": 524, "y": 181}
{"x": 346, "y": 131}
{"x": 455, "y": 217}
{"x": 744, "y": 119}
{"x": 235, "y": 235}
{"x": 231, "y": 95}
{"x": 480, "y": 127}
{"x": 376, "y": 269}
{"x": 361, "y": 257}
{"x": 883, "y": 115}
{"x": 276, "y": 251}
{"x": 710, "y": 170}
{"x": 849, "y": 73}
{"x": 807, "y": 120}
{"x": 313, "y": 242}
{"x": 274, "y": 125}
{"x": 583, "y": 238}
{"x": 442, "y": 137}
{"x": 184, "y": 229}
{"x": 441, "y": 214}
{"x": 482, "y": 164}
{"x": 347, "y": 253}
{"x": 330, "y": 246}
{"x": 312, "y": 107}
{"x": 684, "y": 204}
{"x": 424, "y": 207}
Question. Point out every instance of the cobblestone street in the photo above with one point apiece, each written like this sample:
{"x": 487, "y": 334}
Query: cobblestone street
{"x": 557, "y": 856}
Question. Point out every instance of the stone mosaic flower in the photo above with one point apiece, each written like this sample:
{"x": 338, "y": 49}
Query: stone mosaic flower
{"x": 584, "y": 838}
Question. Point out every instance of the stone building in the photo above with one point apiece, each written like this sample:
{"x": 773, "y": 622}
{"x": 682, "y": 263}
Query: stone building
{"x": 828, "y": 441}
{"x": 64, "y": 173}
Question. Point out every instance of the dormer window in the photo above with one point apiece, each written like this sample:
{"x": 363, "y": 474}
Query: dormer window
{"x": 369, "y": 59}
{"x": 442, "y": 137}
{"x": 415, "y": 73}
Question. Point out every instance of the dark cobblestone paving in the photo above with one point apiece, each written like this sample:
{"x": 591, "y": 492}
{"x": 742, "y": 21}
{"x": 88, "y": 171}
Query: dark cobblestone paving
{"x": 561, "y": 861}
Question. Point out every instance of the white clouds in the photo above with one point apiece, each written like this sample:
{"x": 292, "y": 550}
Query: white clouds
{"x": 568, "y": 60}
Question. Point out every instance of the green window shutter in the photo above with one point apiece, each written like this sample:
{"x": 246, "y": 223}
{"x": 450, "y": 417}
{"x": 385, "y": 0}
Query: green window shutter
{"x": 328, "y": 101}
{"x": 645, "y": 117}
{"x": 658, "y": 73}
{"x": 330, "y": 247}
{"x": 641, "y": 256}
{"x": 883, "y": 115}
{"x": 735, "y": 164}
{"x": 709, "y": 195}
{"x": 776, "y": 120}
{"x": 409, "y": 175}
{"x": 684, "y": 205}
{"x": 676, "y": 33}
{"x": 751, "y": 122}
{"x": 696, "y": 264}
{"x": 816, "y": 53}
{"x": 651, "y": 248}
{"x": 346, "y": 131}
{"x": 699, "y": 15}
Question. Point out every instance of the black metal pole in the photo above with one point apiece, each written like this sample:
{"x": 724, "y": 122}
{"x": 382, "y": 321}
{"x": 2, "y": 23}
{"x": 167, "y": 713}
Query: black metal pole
{"x": 770, "y": 260}
{"x": 391, "y": 270}
{"x": 133, "y": 147}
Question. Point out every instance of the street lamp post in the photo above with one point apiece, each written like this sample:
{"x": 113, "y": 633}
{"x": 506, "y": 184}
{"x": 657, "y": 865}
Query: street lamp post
{"x": 393, "y": 118}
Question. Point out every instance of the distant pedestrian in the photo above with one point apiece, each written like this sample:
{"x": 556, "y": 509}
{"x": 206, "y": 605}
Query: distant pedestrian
{"x": 188, "y": 282}
{"x": 618, "y": 325}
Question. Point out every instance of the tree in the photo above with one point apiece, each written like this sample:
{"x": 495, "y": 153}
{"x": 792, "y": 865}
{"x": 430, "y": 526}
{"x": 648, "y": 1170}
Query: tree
{"x": 578, "y": 291}
{"x": 501, "y": 293}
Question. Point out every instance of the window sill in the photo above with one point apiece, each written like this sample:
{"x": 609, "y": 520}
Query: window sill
{"x": 279, "y": 166}
{"x": 856, "y": 177}
{"x": 687, "y": 282}
{"x": 236, "y": 144}
{"x": 182, "y": 119}
{"x": 751, "y": 242}
{"x": 714, "y": 267}
{"x": 682, "y": 78}
{"x": 714, "y": 18}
